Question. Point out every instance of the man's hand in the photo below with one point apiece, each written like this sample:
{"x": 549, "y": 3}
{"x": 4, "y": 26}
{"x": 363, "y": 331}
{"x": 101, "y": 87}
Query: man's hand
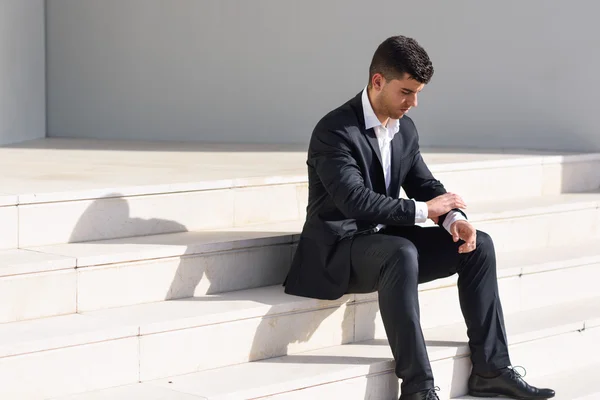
{"x": 443, "y": 204}
{"x": 465, "y": 231}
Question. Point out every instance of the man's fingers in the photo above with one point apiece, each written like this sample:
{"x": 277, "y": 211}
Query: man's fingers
{"x": 459, "y": 203}
{"x": 454, "y": 231}
{"x": 456, "y": 201}
{"x": 467, "y": 247}
{"x": 444, "y": 204}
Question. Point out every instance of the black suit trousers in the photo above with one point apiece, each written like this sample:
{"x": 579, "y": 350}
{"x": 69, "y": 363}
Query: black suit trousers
{"x": 394, "y": 261}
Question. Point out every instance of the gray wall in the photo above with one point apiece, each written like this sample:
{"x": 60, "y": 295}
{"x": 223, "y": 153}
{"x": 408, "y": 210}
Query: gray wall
{"x": 509, "y": 73}
{"x": 22, "y": 71}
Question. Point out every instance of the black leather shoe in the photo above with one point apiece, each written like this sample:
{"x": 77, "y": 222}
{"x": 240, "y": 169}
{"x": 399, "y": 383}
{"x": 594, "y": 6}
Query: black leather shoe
{"x": 423, "y": 395}
{"x": 509, "y": 383}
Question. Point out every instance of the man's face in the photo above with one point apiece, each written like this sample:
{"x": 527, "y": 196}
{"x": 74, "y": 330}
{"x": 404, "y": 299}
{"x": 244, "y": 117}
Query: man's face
{"x": 397, "y": 96}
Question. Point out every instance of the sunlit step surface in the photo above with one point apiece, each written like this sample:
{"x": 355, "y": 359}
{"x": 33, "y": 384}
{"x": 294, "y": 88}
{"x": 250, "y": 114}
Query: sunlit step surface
{"x": 61, "y": 190}
{"x": 118, "y": 348}
{"x": 546, "y": 343}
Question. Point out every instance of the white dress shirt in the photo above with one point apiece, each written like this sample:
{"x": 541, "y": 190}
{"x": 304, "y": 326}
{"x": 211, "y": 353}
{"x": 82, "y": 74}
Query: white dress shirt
{"x": 385, "y": 134}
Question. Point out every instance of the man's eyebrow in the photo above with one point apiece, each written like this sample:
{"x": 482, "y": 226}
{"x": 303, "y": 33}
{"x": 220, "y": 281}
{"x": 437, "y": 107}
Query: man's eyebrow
{"x": 409, "y": 90}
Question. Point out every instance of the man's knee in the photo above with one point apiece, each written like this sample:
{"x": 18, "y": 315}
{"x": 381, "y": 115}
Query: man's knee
{"x": 485, "y": 252}
{"x": 484, "y": 242}
{"x": 403, "y": 264}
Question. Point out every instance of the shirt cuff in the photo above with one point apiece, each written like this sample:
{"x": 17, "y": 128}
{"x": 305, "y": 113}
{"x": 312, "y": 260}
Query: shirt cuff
{"x": 421, "y": 211}
{"x": 451, "y": 218}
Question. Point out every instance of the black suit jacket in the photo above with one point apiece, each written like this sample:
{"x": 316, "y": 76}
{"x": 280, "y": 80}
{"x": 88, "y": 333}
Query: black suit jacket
{"x": 347, "y": 196}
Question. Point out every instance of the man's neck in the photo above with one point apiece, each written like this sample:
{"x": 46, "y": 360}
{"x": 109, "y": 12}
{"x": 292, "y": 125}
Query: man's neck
{"x": 381, "y": 117}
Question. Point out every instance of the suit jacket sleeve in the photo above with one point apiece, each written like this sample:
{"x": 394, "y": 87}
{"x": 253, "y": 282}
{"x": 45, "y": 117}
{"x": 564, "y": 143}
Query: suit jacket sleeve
{"x": 422, "y": 186}
{"x": 331, "y": 154}
{"x": 419, "y": 183}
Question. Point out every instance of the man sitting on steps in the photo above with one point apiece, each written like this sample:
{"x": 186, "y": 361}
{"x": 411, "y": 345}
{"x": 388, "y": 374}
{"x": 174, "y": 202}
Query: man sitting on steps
{"x": 360, "y": 237}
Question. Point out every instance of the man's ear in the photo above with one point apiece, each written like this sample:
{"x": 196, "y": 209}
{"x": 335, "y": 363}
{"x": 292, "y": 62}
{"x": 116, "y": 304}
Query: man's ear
{"x": 377, "y": 81}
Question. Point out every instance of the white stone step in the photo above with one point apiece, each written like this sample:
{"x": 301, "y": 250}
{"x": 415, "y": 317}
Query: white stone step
{"x": 260, "y": 323}
{"x": 9, "y": 215}
{"x": 81, "y": 193}
{"x": 163, "y": 267}
{"x": 514, "y": 224}
{"x": 116, "y": 216}
{"x": 96, "y": 350}
{"x": 132, "y": 392}
{"x": 76, "y": 353}
{"x": 545, "y": 341}
{"x": 38, "y": 283}
{"x": 576, "y": 384}
{"x": 61, "y": 279}
{"x": 35, "y": 285}
{"x": 56, "y": 169}
{"x": 564, "y": 220}
{"x": 509, "y": 177}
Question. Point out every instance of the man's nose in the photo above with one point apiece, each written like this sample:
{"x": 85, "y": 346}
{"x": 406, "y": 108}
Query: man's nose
{"x": 413, "y": 101}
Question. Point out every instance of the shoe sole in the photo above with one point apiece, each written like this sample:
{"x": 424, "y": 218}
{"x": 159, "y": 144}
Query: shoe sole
{"x": 480, "y": 394}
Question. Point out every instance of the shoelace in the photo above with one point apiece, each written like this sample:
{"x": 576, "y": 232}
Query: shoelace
{"x": 515, "y": 374}
{"x": 432, "y": 395}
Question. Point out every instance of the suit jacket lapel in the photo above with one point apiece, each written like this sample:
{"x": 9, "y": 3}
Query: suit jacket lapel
{"x": 372, "y": 139}
{"x": 369, "y": 134}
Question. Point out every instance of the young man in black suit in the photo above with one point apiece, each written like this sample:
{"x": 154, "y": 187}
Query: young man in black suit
{"x": 360, "y": 237}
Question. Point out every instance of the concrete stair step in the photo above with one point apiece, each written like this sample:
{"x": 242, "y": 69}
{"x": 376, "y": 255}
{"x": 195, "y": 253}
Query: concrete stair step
{"x": 565, "y": 219}
{"x": 62, "y": 279}
{"x": 363, "y": 370}
{"x": 485, "y": 179}
{"x": 152, "y": 247}
{"x": 132, "y": 392}
{"x": 54, "y": 169}
{"x": 36, "y": 283}
{"x": 204, "y": 206}
{"x": 572, "y": 214}
{"x": 546, "y": 341}
{"x": 108, "y": 198}
{"x": 562, "y": 219}
{"x": 84, "y": 352}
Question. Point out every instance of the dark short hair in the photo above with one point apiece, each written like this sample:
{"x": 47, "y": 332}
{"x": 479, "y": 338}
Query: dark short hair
{"x": 399, "y": 55}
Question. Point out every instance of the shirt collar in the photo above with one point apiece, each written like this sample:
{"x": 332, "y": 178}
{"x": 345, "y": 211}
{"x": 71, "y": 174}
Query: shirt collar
{"x": 371, "y": 120}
